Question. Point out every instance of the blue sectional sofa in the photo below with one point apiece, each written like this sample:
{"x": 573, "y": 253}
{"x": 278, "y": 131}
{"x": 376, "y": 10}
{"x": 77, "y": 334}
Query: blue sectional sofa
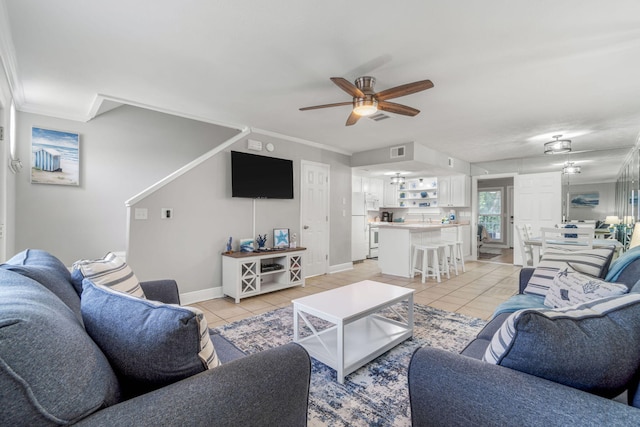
{"x": 53, "y": 373}
{"x": 561, "y": 368}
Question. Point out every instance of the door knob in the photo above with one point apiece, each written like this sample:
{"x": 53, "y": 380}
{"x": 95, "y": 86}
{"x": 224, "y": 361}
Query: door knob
{"x": 306, "y": 227}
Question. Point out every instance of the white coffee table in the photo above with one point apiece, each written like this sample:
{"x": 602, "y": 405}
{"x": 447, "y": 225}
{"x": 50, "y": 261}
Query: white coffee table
{"x": 358, "y": 334}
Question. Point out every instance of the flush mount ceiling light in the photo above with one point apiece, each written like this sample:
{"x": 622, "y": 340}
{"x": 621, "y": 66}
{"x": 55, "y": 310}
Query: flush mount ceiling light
{"x": 397, "y": 179}
{"x": 365, "y": 107}
{"x": 557, "y": 146}
{"x": 570, "y": 169}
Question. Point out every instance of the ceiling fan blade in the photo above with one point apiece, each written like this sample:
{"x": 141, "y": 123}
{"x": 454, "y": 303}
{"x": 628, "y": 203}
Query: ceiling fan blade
{"x": 392, "y": 107}
{"x": 337, "y": 104}
{"x": 348, "y": 87}
{"x": 353, "y": 118}
{"x": 403, "y": 90}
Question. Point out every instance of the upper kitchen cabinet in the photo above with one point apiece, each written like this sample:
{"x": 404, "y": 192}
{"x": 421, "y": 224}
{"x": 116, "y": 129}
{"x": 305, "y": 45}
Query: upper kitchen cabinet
{"x": 390, "y": 198}
{"x": 376, "y": 189}
{"x": 454, "y": 191}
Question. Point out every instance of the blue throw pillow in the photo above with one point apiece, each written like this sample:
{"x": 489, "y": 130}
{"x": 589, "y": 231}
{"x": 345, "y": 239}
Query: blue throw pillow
{"x": 149, "y": 344}
{"x": 594, "y": 346}
{"x": 50, "y": 370}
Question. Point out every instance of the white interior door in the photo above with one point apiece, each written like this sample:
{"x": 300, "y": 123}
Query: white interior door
{"x": 314, "y": 216}
{"x": 537, "y": 201}
{"x": 509, "y": 219}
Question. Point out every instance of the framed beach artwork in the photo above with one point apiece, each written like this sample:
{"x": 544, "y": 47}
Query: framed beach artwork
{"x": 55, "y": 157}
{"x": 280, "y": 237}
{"x": 585, "y": 200}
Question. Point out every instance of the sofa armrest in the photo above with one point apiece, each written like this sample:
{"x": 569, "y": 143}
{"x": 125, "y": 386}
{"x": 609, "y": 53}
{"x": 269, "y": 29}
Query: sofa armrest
{"x": 454, "y": 390}
{"x": 267, "y": 388}
{"x": 525, "y": 275}
{"x": 165, "y": 291}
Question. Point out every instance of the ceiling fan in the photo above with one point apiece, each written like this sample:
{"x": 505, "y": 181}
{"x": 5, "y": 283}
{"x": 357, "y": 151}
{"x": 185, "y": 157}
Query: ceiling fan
{"x": 366, "y": 101}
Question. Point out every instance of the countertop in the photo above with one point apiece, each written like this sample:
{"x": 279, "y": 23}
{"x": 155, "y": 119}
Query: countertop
{"x": 416, "y": 226}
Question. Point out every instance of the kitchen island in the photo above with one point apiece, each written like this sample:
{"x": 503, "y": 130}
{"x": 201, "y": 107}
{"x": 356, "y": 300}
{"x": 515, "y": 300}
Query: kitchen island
{"x": 395, "y": 240}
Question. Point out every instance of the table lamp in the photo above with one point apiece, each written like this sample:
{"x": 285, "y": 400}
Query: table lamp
{"x": 612, "y": 220}
{"x": 635, "y": 237}
{"x": 628, "y": 220}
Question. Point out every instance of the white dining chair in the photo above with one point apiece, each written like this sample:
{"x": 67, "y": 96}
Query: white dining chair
{"x": 525, "y": 249}
{"x": 566, "y": 238}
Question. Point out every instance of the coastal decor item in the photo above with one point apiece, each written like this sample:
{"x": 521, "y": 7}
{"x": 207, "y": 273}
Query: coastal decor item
{"x": 246, "y": 245}
{"x": 229, "y": 246}
{"x": 585, "y": 200}
{"x": 261, "y": 240}
{"x": 294, "y": 241}
{"x": 423, "y": 194}
{"x": 55, "y": 157}
{"x": 281, "y": 237}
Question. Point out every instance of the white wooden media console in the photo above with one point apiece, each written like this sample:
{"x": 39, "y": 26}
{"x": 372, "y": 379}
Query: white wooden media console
{"x": 246, "y": 274}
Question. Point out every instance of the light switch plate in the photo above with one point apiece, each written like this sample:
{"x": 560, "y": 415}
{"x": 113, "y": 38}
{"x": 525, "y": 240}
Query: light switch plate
{"x": 141, "y": 213}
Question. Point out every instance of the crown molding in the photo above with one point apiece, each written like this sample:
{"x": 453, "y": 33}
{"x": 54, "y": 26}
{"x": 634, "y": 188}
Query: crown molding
{"x": 8, "y": 56}
{"x": 301, "y": 141}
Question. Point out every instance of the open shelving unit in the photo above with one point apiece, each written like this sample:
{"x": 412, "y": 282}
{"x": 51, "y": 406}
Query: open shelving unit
{"x": 246, "y": 274}
{"x": 419, "y": 194}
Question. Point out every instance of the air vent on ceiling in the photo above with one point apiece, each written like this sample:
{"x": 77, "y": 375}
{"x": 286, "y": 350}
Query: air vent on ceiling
{"x": 379, "y": 116}
{"x": 397, "y": 152}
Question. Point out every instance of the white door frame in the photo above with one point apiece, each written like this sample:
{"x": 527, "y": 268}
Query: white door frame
{"x": 312, "y": 250}
{"x": 474, "y": 208}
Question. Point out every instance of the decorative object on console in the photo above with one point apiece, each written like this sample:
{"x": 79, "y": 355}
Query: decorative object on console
{"x": 229, "y": 246}
{"x": 246, "y": 245}
{"x": 294, "y": 241}
{"x": 261, "y": 241}
{"x": 281, "y": 237}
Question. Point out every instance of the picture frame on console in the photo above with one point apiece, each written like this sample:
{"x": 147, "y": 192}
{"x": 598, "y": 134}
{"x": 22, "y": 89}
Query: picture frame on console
{"x": 280, "y": 237}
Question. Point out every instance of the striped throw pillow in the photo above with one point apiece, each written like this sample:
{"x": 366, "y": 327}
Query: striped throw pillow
{"x": 571, "y": 288}
{"x": 110, "y": 271}
{"x": 594, "y": 346}
{"x": 593, "y": 262}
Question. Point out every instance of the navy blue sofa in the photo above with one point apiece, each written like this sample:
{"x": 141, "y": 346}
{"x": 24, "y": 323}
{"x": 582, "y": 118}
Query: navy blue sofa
{"x": 52, "y": 373}
{"x": 463, "y": 390}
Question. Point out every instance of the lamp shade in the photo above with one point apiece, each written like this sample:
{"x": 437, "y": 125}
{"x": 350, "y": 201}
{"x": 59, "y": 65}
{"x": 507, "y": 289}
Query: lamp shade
{"x": 628, "y": 219}
{"x": 612, "y": 220}
{"x": 635, "y": 237}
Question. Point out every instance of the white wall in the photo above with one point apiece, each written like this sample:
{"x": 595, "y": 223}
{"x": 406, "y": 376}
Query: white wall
{"x": 122, "y": 152}
{"x": 7, "y": 179}
{"x": 188, "y": 248}
{"x": 607, "y": 205}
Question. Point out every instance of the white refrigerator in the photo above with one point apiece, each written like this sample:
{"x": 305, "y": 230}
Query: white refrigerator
{"x": 359, "y": 227}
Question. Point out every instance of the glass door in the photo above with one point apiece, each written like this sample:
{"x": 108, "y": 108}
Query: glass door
{"x": 490, "y": 213}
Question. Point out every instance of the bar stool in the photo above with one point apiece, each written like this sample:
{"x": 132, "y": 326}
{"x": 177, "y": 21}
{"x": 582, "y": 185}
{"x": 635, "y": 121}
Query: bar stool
{"x": 450, "y": 254}
{"x": 430, "y": 252}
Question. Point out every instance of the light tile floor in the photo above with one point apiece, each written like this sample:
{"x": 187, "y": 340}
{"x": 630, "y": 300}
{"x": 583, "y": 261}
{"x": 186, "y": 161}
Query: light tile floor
{"x": 476, "y": 292}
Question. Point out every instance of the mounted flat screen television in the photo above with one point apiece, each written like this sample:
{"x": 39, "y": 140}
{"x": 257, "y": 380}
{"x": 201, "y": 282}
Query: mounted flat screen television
{"x": 261, "y": 177}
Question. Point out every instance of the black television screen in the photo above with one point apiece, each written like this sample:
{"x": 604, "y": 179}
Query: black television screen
{"x": 261, "y": 177}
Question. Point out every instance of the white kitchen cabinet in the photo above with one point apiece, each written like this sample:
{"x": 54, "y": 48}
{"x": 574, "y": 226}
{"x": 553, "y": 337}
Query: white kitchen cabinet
{"x": 454, "y": 191}
{"x": 376, "y": 188}
{"x": 390, "y": 198}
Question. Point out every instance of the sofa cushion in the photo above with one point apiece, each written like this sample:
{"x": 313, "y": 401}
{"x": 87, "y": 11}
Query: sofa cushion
{"x": 594, "y": 346}
{"x": 593, "y": 262}
{"x": 109, "y": 271}
{"x": 571, "y": 288}
{"x": 51, "y": 372}
{"x": 50, "y": 272}
{"x": 149, "y": 344}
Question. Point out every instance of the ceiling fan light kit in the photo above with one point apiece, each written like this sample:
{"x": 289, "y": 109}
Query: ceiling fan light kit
{"x": 557, "y": 146}
{"x": 366, "y": 102}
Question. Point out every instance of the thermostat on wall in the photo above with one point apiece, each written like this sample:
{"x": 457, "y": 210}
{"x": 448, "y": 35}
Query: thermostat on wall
{"x": 254, "y": 145}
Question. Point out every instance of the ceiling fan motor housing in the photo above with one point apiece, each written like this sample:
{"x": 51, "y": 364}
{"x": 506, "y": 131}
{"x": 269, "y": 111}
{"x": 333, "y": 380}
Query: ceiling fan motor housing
{"x": 366, "y": 84}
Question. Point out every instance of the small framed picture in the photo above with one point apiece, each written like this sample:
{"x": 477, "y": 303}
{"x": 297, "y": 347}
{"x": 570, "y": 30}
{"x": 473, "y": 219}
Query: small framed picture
{"x": 281, "y": 237}
{"x": 246, "y": 245}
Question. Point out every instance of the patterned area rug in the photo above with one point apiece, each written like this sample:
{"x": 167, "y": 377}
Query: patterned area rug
{"x": 374, "y": 395}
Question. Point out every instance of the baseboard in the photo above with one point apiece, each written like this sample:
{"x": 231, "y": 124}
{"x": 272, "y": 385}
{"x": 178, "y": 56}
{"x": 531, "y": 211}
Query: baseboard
{"x": 203, "y": 295}
{"x": 340, "y": 267}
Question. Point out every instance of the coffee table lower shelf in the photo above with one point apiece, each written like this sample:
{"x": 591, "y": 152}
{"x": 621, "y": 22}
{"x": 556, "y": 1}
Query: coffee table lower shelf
{"x": 364, "y": 340}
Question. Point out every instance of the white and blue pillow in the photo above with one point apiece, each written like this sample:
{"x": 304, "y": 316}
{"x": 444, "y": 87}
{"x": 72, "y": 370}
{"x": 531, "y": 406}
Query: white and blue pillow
{"x": 594, "y": 346}
{"x": 109, "y": 271}
{"x": 593, "y": 262}
{"x": 571, "y": 288}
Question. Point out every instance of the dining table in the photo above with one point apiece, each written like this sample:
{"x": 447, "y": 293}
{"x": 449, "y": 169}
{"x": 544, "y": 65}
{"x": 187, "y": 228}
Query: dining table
{"x": 536, "y": 243}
